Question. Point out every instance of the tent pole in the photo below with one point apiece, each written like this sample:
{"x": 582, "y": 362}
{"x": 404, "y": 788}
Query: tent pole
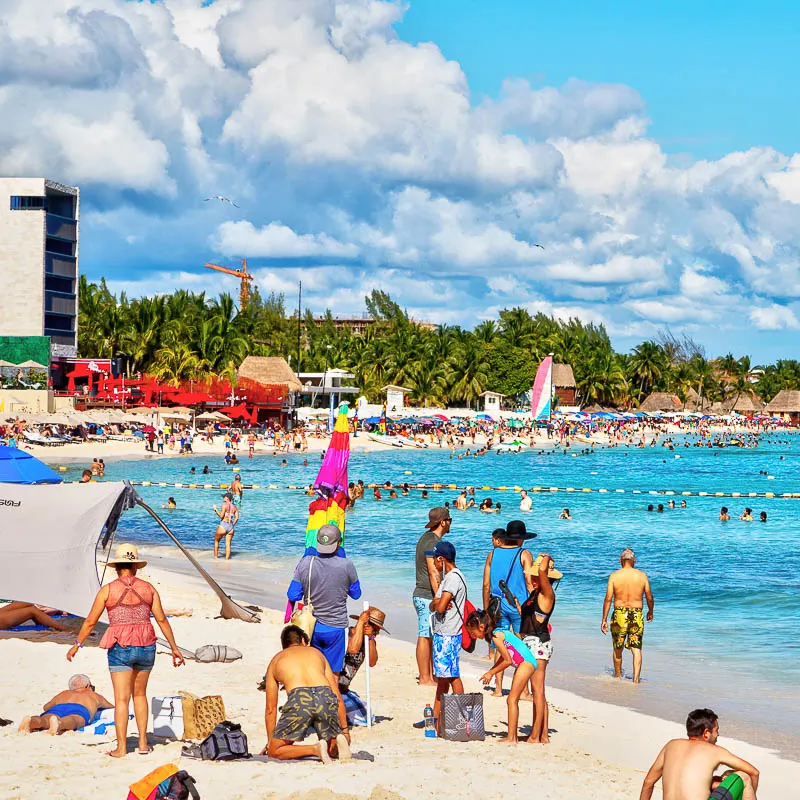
{"x": 230, "y": 608}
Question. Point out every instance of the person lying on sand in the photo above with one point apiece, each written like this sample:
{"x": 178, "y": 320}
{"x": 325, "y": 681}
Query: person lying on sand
{"x": 686, "y": 767}
{"x": 313, "y": 703}
{"x": 16, "y": 613}
{"x": 68, "y": 710}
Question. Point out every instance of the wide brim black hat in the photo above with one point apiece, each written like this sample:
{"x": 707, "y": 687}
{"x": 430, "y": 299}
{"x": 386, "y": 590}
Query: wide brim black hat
{"x": 517, "y": 532}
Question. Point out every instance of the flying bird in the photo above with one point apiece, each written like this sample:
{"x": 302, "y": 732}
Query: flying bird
{"x": 221, "y": 199}
{"x": 539, "y": 245}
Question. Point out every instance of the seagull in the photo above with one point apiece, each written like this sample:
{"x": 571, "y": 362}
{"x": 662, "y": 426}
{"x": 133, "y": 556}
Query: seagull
{"x": 539, "y": 245}
{"x": 221, "y": 199}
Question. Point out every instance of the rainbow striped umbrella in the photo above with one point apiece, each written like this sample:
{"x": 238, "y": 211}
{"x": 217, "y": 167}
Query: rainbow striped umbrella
{"x": 331, "y": 484}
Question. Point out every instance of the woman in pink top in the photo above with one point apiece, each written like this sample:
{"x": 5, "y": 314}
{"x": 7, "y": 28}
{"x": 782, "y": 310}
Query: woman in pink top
{"x": 130, "y": 641}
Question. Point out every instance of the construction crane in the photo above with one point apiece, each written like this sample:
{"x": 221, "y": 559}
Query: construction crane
{"x": 242, "y": 274}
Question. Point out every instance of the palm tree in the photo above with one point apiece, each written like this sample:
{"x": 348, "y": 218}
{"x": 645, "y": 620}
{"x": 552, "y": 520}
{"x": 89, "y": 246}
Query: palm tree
{"x": 648, "y": 365}
{"x": 468, "y": 372}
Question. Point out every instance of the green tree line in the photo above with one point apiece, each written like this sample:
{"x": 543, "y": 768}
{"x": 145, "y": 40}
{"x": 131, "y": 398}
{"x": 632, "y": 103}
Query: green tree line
{"x": 187, "y": 335}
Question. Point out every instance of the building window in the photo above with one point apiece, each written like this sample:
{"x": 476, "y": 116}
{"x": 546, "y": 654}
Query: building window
{"x": 26, "y": 203}
{"x": 63, "y": 248}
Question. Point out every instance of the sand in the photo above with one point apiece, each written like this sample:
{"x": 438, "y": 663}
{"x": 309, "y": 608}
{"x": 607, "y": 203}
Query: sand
{"x": 597, "y": 750}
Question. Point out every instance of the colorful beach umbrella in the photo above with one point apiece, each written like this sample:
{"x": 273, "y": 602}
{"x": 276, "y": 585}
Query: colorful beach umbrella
{"x": 330, "y": 503}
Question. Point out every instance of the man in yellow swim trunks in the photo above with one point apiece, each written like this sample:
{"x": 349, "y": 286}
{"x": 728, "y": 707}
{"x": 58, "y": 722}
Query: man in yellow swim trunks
{"x": 626, "y": 589}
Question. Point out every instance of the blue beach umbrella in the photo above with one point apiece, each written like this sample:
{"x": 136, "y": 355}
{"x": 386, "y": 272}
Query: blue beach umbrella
{"x": 17, "y": 466}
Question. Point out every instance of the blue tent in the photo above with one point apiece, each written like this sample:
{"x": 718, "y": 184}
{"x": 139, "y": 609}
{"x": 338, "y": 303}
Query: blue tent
{"x": 17, "y": 466}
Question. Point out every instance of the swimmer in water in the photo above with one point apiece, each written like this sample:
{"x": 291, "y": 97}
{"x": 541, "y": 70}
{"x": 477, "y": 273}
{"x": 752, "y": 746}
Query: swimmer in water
{"x": 724, "y": 516}
{"x": 564, "y": 514}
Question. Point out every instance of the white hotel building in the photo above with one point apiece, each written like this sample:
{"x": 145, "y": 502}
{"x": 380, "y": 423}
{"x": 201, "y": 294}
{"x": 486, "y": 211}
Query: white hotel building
{"x": 39, "y": 261}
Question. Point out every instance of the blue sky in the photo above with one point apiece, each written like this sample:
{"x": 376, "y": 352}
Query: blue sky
{"x": 425, "y": 148}
{"x": 716, "y": 76}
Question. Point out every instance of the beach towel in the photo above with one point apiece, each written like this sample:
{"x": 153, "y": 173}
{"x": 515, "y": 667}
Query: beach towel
{"x": 146, "y": 788}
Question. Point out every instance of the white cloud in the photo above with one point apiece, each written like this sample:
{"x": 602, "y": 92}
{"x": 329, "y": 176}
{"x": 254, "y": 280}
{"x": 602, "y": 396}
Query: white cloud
{"x": 371, "y": 151}
{"x": 773, "y": 318}
{"x": 277, "y": 241}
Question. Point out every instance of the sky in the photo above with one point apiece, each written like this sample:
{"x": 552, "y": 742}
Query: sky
{"x": 426, "y": 148}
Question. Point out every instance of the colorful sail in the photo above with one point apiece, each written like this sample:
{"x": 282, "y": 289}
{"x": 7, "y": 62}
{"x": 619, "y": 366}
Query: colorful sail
{"x": 330, "y": 502}
{"x": 542, "y": 395}
{"x": 382, "y": 421}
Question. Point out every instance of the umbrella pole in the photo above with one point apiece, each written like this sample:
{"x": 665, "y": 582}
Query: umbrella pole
{"x": 369, "y": 684}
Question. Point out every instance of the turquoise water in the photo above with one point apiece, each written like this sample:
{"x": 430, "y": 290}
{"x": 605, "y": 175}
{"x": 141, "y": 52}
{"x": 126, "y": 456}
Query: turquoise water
{"x": 727, "y": 600}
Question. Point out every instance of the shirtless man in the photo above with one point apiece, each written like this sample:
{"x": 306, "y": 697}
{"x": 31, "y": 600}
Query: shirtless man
{"x": 68, "y": 710}
{"x": 626, "y": 587}
{"x": 313, "y": 702}
{"x": 686, "y": 766}
{"x": 228, "y": 517}
{"x": 461, "y": 501}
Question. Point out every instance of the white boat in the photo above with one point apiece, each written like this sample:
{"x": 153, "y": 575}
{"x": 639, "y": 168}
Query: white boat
{"x": 392, "y": 441}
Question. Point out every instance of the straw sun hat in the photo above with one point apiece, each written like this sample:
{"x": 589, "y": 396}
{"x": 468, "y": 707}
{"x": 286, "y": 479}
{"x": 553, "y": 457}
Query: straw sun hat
{"x": 127, "y": 555}
{"x": 552, "y": 572}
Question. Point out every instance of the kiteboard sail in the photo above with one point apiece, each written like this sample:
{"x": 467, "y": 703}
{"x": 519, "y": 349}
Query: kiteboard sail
{"x": 330, "y": 503}
{"x": 542, "y": 395}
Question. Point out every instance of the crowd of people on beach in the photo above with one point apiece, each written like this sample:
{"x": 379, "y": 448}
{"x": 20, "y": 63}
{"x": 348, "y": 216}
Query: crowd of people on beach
{"x": 322, "y": 647}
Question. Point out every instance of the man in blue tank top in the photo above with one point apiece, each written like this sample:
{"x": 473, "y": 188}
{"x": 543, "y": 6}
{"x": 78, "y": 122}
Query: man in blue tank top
{"x": 506, "y": 564}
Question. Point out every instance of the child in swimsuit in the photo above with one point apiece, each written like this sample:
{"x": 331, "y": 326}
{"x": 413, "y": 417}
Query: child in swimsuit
{"x": 514, "y": 652}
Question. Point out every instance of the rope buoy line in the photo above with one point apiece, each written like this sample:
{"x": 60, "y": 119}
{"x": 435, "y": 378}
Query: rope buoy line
{"x": 440, "y": 487}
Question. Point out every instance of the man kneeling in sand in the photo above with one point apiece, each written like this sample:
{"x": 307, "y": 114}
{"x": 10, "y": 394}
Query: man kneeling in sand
{"x": 69, "y": 710}
{"x": 686, "y": 766}
{"x": 313, "y": 703}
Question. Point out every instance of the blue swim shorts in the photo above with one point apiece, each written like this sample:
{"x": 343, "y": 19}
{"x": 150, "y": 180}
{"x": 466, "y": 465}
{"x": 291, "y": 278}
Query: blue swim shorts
{"x": 123, "y": 659}
{"x": 331, "y": 642}
{"x": 422, "y": 607}
{"x": 509, "y": 620}
{"x": 446, "y": 651}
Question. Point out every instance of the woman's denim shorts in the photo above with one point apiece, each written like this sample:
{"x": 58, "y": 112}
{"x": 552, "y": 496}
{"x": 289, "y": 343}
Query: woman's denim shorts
{"x": 124, "y": 659}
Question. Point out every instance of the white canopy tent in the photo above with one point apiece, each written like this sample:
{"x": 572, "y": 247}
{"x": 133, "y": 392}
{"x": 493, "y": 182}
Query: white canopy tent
{"x": 49, "y": 536}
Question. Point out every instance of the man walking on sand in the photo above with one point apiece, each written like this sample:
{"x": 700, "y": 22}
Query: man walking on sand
{"x": 686, "y": 767}
{"x": 428, "y": 580}
{"x": 313, "y": 703}
{"x": 626, "y": 587}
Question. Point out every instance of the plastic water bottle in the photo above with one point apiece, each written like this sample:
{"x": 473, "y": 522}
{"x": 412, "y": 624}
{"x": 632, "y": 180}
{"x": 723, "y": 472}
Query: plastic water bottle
{"x": 430, "y": 724}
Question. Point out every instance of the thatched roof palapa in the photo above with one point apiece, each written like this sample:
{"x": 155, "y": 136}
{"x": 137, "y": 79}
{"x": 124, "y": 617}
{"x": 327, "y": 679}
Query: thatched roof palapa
{"x": 744, "y": 404}
{"x": 661, "y": 401}
{"x": 269, "y": 371}
{"x": 563, "y": 377}
{"x": 787, "y": 401}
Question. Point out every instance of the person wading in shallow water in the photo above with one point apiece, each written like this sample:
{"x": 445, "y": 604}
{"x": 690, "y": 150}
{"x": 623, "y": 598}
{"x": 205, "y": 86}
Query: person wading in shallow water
{"x": 626, "y": 588}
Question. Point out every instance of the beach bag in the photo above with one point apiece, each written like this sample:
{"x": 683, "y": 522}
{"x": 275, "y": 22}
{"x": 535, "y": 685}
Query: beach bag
{"x": 210, "y": 653}
{"x": 225, "y": 743}
{"x": 462, "y": 717}
{"x": 181, "y": 786}
{"x": 201, "y": 714}
{"x": 304, "y": 617}
{"x": 168, "y": 716}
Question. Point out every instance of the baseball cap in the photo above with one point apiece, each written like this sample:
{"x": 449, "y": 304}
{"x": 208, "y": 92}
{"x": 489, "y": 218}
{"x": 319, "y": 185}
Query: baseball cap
{"x": 436, "y": 516}
{"x": 447, "y": 550}
{"x": 328, "y": 538}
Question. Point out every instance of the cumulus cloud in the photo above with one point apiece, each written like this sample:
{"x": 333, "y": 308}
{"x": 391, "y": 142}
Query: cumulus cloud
{"x": 277, "y": 241}
{"x": 773, "y": 318}
{"x": 383, "y": 169}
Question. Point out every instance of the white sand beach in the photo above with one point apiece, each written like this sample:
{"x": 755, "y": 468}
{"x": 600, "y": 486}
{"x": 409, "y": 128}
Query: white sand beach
{"x": 597, "y": 750}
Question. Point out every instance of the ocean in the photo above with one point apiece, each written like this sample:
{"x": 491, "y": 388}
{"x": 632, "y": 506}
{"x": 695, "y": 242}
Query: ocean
{"x": 727, "y": 606}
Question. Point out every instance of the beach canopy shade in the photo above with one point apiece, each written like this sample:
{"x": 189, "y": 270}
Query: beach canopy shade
{"x": 191, "y": 398}
{"x": 55, "y": 562}
{"x": 212, "y": 416}
{"x": 32, "y": 365}
{"x": 18, "y": 466}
